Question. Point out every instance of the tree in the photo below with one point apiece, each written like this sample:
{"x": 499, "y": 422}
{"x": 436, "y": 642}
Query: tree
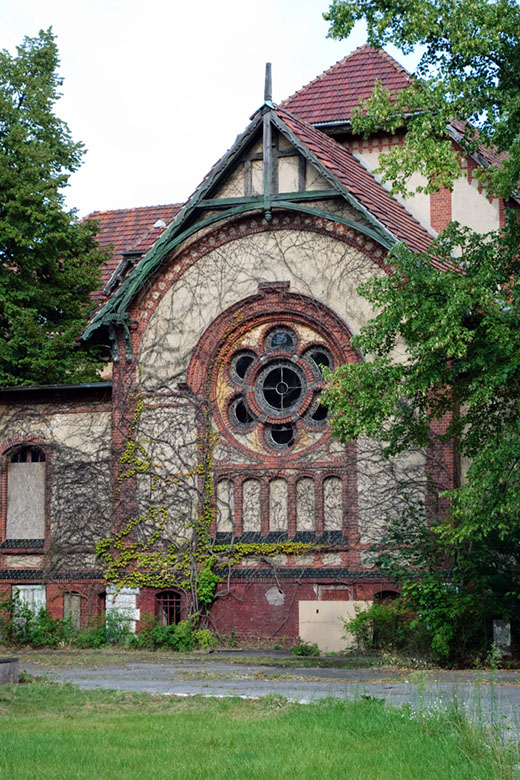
{"x": 469, "y": 70}
{"x": 459, "y": 323}
{"x": 49, "y": 261}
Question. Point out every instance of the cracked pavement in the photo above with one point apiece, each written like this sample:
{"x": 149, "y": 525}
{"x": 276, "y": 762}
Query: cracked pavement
{"x": 490, "y": 697}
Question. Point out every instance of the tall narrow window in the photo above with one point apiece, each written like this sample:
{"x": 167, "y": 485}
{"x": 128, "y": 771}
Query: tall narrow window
{"x": 251, "y": 511}
{"x": 26, "y": 494}
{"x": 305, "y": 505}
{"x": 72, "y": 608}
{"x": 225, "y": 505}
{"x": 332, "y": 504}
{"x": 168, "y": 607}
{"x": 278, "y": 505}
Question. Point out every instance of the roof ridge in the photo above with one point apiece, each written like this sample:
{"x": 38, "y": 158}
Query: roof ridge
{"x": 365, "y": 46}
{"x": 134, "y": 208}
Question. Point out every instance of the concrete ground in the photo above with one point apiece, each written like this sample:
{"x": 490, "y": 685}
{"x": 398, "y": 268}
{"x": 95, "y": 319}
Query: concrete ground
{"x": 490, "y": 697}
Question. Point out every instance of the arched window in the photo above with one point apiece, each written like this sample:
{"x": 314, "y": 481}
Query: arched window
{"x": 26, "y": 493}
{"x": 386, "y": 595}
{"x": 168, "y": 607}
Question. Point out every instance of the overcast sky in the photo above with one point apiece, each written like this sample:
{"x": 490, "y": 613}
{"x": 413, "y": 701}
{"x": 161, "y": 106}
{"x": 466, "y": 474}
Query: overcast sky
{"x": 157, "y": 90}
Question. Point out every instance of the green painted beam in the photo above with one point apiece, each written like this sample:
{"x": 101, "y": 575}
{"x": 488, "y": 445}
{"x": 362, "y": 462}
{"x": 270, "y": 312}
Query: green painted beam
{"x": 212, "y": 203}
{"x": 378, "y": 237}
{"x": 115, "y": 311}
{"x": 329, "y": 176}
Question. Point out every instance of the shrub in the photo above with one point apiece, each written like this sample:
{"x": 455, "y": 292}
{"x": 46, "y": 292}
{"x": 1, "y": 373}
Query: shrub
{"x": 205, "y": 638}
{"x": 21, "y": 626}
{"x": 305, "y": 648}
{"x": 180, "y": 637}
{"x": 95, "y": 633}
{"x": 389, "y": 626}
{"x": 183, "y": 639}
{"x": 117, "y": 627}
{"x": 109, "y": 629}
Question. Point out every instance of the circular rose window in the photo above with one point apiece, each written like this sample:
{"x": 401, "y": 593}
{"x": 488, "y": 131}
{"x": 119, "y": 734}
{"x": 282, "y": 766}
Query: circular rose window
{"x": 270, "y": 392}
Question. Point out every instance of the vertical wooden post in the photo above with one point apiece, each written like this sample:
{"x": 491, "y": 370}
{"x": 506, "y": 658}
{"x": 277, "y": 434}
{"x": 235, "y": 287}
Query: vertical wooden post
{"x": 268, "y": 89}
{"x": 268, "y": 165}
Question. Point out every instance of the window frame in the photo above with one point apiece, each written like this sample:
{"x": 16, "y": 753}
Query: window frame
{"x": 24, "y": 544}
{"x": 177, "y": 601}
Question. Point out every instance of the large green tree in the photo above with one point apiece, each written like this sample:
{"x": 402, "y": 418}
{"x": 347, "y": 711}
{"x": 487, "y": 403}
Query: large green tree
{"x": 461, "y": 324}
{"x": 469, "y": 70}
{"x": 49, "y": 261}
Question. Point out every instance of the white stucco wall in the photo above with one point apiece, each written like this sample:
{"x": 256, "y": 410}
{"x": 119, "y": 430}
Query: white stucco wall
{"x": 472, "y": 208}
{"x": 317, "y": 266}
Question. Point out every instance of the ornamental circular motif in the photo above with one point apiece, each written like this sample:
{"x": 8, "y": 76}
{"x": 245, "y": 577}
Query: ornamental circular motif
{"x": 272, "y": 383}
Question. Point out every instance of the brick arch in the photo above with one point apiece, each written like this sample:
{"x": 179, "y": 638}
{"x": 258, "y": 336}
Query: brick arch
{"x": 142, "y": 309}
{"x": 16, "y": 441}
{"x": 272, "y": 304}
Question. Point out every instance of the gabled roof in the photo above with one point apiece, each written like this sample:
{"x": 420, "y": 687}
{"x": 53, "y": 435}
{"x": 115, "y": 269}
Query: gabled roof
{"x": 333, "y": 96}
{"x": 357, "y": 180}
{"x": 130, "y": 230}
{"x": 388, "y": 220}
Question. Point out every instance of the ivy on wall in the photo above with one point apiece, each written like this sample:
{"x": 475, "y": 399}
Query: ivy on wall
{"x": 197, "y": 565}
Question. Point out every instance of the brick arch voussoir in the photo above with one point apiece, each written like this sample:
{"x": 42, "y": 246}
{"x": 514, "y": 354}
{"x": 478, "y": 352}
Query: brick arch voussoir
{"x": 144, "y": 307}
{"x": 270, "y": 305}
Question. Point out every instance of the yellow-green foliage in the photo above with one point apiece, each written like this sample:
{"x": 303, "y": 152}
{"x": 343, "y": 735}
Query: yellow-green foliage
{"x": 138, "y": 564}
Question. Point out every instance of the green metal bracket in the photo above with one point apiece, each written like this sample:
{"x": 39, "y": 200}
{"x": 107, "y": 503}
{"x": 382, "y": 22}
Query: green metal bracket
{"x": 129, "y": 353}
{"x": 113, "y": 340}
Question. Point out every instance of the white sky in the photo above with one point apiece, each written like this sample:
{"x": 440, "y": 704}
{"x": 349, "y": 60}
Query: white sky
{"x": 157, "y": 90}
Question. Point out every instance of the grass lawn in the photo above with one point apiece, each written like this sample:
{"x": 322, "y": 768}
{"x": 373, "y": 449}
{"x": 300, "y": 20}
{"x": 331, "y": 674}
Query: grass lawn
{"x": 58, "y": 731}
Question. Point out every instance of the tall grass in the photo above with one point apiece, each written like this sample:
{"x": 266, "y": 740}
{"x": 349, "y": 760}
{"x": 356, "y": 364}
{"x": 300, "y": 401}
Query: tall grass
{"x": 60, "y": 732}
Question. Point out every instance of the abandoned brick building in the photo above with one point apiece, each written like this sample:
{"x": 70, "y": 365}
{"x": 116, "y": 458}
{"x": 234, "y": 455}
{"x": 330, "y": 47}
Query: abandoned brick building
{"x": 220, "y": 315}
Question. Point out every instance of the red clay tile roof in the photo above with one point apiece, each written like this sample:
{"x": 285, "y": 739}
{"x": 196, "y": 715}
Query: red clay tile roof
{"x": 333, "y": 96}
{"x": 360, "y": 183}
{"x": 492, "y": 157}
{"x": 130, "y": 230}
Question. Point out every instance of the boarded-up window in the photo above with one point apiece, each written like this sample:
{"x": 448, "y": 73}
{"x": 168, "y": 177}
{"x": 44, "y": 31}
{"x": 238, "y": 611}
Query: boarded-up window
{"x": 30, "y": 596}
{"x": 225, "y": 505}
{"x": 26, "y": 494}
{"x": 72, "y": 608}
{"x": 332, "y": 504}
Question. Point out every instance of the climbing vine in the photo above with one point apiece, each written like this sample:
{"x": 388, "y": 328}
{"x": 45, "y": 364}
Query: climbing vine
{"x": 196, "y": 565}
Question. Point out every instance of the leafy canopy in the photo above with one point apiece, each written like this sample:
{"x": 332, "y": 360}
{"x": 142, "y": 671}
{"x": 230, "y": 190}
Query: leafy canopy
{"x": 469, "y": 69}
{"x": 459, "y": 327}
{"x": 49, "y": 262}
